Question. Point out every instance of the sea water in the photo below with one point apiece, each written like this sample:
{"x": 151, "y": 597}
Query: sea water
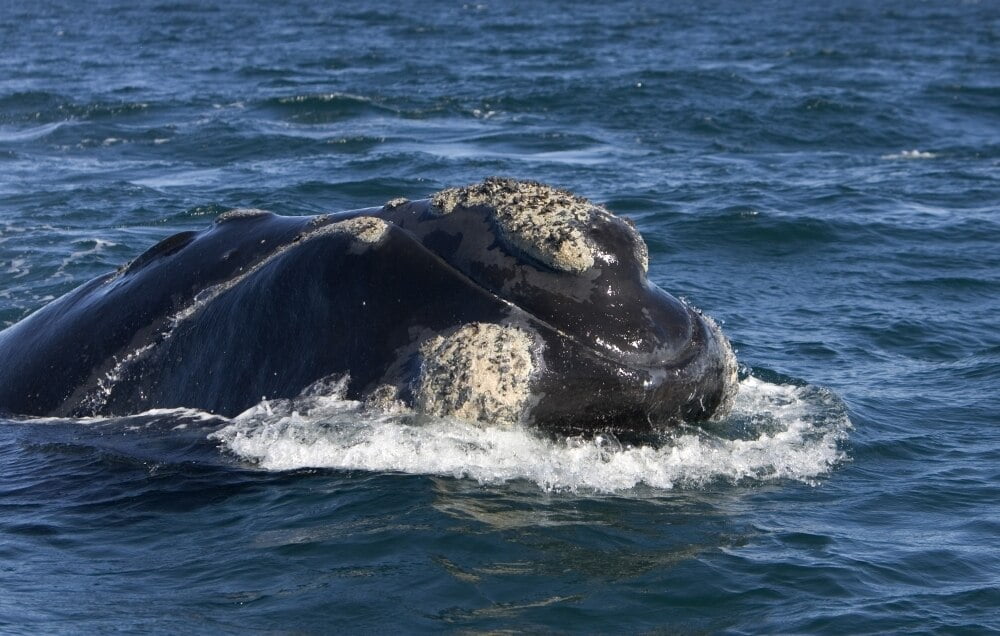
{"x": 822, "y": 178}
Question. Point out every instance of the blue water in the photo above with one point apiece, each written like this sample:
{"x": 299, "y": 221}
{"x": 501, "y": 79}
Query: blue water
{"x": 823, "y": 178}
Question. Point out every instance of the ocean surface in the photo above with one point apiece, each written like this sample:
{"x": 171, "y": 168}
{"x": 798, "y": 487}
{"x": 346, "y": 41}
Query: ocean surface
{"x": 822, "y": 178}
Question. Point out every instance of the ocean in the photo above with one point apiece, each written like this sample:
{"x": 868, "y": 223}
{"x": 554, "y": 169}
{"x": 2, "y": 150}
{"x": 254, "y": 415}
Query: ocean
{"x": 821, "y": 178}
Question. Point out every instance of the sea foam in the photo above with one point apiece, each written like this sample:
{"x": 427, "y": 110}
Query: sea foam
{"x": 911, "y": 154}
{"x": 776, "y": 431}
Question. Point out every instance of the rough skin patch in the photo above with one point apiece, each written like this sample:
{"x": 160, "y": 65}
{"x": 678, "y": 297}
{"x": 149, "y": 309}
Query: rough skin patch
{"x": 481, "y": 372}
{"x": 395, "y": 203}
{"x": 548, "y": 224}
{"x": 367, "y": 229}
{"x": 240, "y": 213}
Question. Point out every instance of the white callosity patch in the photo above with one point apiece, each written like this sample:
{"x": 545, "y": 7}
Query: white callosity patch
{"x": 367, "y": 229}
{"x": 548, "y": 224}
{"x": 776, "y": 431}
{"x": 481, "y": 372}
{"x": 240, "y": 213}
{"x": 395, "y": 203}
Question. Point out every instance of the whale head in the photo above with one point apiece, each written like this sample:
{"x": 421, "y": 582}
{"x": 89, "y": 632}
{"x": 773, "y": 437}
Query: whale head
{"x": 589, "y": 343}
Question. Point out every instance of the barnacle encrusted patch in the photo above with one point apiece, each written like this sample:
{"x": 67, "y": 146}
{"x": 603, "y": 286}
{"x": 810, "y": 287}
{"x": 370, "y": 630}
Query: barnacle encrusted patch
{"x": 481, "y": 372}
{"x": 240, "y": 213}
{"x": 367, "y": 229}
{"x": 548, "y": 224}
{"x": 395, "y": 203}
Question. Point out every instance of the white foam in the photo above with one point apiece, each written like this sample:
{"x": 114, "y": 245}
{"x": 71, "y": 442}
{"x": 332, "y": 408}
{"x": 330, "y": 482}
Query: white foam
{"x": 97, "y": 246}
{"x": 174, "y": 414}
{"x": 911, "y": 154}
{"x": 776, "y": 432}
{"x": 9, "y": 134}
{"x": 17, "y": 268}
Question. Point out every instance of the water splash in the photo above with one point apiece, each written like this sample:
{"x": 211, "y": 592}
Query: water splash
{"x": 776, "y": 431}
{"x": 911, "y": 154}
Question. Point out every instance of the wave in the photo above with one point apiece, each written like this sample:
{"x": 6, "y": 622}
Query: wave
{"x": 8, "y": 135}
{"x": 41, "y": 107}
{"x": 326, "y": 108}
{"x": 776, "y": 432}
{"x": 911, "y": 154}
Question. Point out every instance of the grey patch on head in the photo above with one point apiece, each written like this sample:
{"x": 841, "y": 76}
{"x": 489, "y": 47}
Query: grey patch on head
{"x": 730, "y": 368}
{"x": 240, "y": 213}
{"x": 395, "y": 203}
{"x": 481, "y": 372}
{"x": 385, "y": 399}
{"x": 549, "y": 225}
{"x": 368, "y": 230}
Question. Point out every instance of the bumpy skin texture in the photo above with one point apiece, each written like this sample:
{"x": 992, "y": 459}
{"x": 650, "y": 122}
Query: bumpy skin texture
{"x": 504, "y": 302}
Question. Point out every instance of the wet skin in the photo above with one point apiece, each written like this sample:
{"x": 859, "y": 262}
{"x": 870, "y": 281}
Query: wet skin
{"x": 259, "y": 305}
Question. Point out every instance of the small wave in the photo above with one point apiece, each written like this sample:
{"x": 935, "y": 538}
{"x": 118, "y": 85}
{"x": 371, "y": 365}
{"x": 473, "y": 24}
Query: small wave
{"x": 911, "y": 154}
{"x": 36, "y": 107}
{"x": 776, "y": 432}
{"x": 758, "y": 228}
{"x": 326, "y": 108}
{"x": 92, "y": 246}
{"x": 16, "y": 268}
{"x": 29, "y": 134}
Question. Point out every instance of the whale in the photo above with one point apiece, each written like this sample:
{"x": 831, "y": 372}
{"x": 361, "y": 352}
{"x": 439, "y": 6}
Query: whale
{"x": 506, "y": 302}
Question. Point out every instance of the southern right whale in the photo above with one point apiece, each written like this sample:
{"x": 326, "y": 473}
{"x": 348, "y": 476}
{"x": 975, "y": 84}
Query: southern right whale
{"x": 504, "y": 302}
